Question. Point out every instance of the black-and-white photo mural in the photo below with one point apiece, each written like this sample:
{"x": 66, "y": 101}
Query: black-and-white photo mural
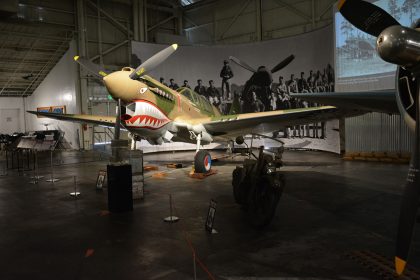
{"x": 247, "y": 78}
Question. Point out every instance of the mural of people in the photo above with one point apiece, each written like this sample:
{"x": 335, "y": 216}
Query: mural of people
{"x": 260, "y": 94}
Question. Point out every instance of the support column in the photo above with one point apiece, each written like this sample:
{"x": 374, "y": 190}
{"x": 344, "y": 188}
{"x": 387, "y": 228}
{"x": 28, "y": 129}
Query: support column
{"x": 258, "y": 18}
{"x": 99, "y": 34}
{"x": 180, "y": 29}
{"x": 136, "y": 20}
{"x": 144, "y": 21}
{"x": 81, "y": 46}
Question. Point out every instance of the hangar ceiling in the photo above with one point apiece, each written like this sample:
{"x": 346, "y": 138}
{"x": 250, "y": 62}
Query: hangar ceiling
{"x": 32, "y": 40}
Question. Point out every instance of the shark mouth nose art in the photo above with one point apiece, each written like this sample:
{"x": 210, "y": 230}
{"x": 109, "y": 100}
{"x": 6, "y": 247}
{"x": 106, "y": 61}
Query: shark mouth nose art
{"x": 147, "y": 115}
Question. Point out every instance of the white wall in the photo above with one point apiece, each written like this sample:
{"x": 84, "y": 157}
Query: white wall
{"x": 13, "y": 103}
{"x": 58, "y": 88}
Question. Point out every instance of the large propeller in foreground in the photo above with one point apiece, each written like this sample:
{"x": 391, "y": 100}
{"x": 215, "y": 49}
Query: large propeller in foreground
{"x": 276, "y": 68}
{"x": 141, "y": 70}
{"x": 399, "y": 45}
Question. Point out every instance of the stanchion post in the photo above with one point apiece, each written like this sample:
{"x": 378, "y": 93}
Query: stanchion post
{"x": 3, "y": 165}
{"x": 52, "y": 179}
{"x": 194, "y": 267}
{"x": 171, "y": 218}
{"x": 35, "y": 176}
{"x": 75, "y": 193}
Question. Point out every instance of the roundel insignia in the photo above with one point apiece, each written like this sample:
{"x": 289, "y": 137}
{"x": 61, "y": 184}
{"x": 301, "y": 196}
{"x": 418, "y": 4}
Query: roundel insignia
{"x": 207, "y": 162}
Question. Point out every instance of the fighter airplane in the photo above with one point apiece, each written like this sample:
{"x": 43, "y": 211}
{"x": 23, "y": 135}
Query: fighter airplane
{"x": 158, "y": 114}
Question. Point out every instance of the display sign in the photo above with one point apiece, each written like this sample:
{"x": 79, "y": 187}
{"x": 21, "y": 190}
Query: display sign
{"x": 101, "y": 179}
{"x": 210, "y": 216}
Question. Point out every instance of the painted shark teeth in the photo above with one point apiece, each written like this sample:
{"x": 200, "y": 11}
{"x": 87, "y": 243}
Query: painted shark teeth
{"x": 147, "y": 115}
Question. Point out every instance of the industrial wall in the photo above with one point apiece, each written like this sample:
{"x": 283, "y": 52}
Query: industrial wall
{"x": 375, "y": 132}
{"x": 57, "y": 89}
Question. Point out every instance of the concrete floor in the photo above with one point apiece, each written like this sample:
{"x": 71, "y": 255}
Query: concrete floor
{"x": 329, "y": 208}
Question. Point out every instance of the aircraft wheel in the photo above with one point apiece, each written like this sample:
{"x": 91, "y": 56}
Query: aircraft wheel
{"x": 263, "y": 199}
{"x": 202, "y": 162}
{"x": 238, "y": 176}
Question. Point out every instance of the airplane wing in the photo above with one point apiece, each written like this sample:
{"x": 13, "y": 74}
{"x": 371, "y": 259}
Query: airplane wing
{"x": 108, "y": 121}
{"x": 241, "y": 124}
{"x": 375, "y": 101}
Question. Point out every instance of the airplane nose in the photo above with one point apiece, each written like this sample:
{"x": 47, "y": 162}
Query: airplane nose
{"x": 112, "y": 85}
{"x": 119, "y": 85}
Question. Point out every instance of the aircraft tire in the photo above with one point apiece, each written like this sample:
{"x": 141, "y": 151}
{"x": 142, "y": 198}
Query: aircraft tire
{"x": 202, "y": 162}
{"x": 263, "y": 199}
{"x": 238, "y": 176}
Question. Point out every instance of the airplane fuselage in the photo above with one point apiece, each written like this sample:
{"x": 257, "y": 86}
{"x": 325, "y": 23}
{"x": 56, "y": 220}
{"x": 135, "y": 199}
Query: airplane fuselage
{"x": 150, "y": 108}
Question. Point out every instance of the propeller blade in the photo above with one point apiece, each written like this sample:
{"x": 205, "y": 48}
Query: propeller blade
{"x": 153, "y": 62}
{"x": 283, "y": 63}
{"x": 410, "y": 201}
{"x": 366, "y": 16}
{"x": 242, "y": 64}
{"x": 91, "y": 67}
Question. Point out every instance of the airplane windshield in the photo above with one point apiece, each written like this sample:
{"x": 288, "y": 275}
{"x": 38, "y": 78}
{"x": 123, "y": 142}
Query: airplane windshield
{"x": 196, "y": 99}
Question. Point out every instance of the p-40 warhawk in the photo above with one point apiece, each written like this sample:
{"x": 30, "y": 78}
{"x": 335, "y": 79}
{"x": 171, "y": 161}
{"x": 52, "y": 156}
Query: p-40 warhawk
{"x": 158, "y": 114}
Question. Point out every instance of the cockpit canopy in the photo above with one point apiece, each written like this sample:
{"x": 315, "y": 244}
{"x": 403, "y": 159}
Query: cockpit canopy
{"x": 199, "y": 101}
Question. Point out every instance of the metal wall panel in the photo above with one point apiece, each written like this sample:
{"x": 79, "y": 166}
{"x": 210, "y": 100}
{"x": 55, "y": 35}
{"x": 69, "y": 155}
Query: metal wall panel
{"x": 376, "y": 132}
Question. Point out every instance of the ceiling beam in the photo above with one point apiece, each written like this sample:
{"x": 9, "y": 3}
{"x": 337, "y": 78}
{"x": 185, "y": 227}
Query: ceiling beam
{"x": 160, "y": 23}
{"x": 244, "y": 6}
{"x": 293, "y": 9}
{"x": 110, "y": 18}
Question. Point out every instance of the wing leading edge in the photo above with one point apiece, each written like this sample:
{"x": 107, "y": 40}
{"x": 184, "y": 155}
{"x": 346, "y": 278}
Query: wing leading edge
{"x": 108, "y": 121}
{"x": 242, "y": 124}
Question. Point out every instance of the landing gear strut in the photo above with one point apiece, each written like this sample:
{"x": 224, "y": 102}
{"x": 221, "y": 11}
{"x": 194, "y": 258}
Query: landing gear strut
{"x": 258, "y": 186}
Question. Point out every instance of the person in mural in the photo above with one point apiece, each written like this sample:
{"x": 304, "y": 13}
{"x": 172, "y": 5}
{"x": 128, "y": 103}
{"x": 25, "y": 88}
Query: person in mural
{"x": 311, "y": 81}
{"x": 162, "y": 81}
{"x": 274, "y": 101}
{"x": 295, "y": 102}
{"x": 330, "y": 78}
{"x": 302, "y": 83}
{"x": 226, "y": 74}
{"x": 281, "y": 87}
{"x": 292, "y": 84}
{"x": 213, "y": 95}
{"x": 256, "y": 104}
{"x": 186, "y": 85}
{"x": 200, "y": 88}
{"x": 173, "y": 85}
{"x": 319, "y": 86}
